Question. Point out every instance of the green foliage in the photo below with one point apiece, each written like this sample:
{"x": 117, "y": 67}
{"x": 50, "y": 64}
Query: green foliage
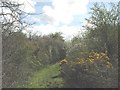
{"x": 88, "y": 69}
{"x": 23, "y": 56}
{"x": 103, "y": 35}
{"x": 49, "y": 49}
{"x": 48, "y": 77}
{"x": 13, "y": 57}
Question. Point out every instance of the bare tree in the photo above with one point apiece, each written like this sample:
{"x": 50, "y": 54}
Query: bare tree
{"x": 10, "y": 16}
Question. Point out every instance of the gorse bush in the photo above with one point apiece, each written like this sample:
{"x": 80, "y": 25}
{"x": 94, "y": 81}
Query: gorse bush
{"x": 90, "y": 71}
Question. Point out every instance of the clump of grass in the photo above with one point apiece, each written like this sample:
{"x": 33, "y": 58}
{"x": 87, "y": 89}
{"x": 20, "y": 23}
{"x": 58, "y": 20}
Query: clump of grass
{"x": 48, "y": 77}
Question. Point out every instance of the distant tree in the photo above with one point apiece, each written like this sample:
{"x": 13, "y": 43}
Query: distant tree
{"x": 51, "y": 48}
{"x": 103, "y": 35}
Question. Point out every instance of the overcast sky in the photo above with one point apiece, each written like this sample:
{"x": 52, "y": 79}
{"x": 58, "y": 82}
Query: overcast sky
{"x": 66, "y": 16}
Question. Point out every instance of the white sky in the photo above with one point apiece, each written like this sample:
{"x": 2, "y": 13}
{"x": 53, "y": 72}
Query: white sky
{"x": 58, "y": 16}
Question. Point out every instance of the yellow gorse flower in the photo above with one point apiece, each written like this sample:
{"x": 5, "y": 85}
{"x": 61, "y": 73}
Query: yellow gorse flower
{"x": 109, "y": 65}
{"x": 107, "y": 57}
{"x": 91, "y": 58}
{"x": 63, "y": 61}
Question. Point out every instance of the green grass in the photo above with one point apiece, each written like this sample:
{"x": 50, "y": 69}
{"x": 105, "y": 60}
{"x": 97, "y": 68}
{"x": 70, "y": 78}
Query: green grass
{"x": 44, "y": 78}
